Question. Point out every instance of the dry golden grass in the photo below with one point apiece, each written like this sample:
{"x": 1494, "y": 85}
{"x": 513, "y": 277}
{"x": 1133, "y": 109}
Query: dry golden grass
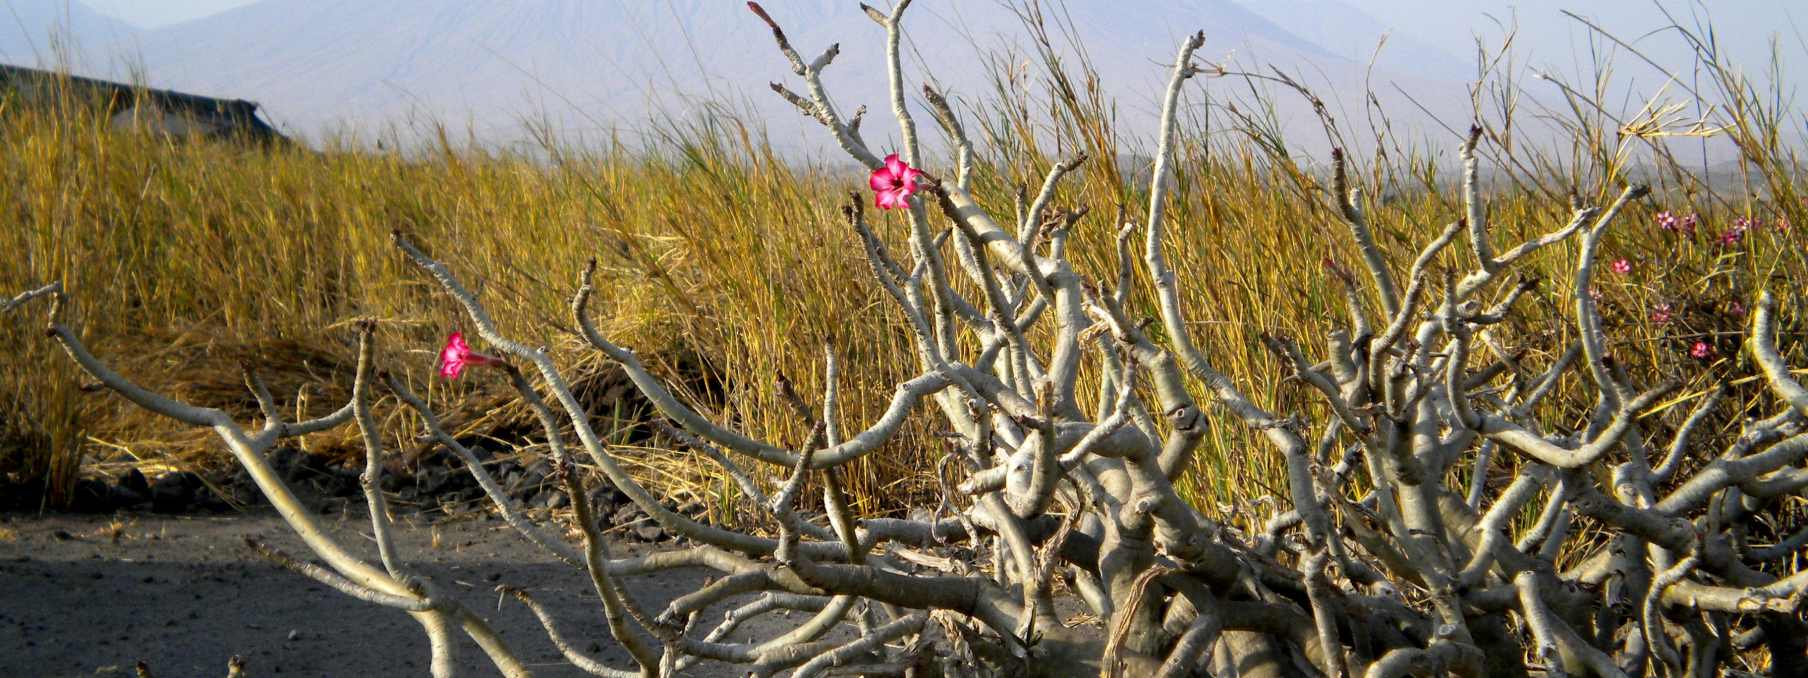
{"x": 725, "y": 267}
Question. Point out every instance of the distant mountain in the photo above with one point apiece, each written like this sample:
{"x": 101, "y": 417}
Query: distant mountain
{"x": 598, "y": 68}
{"x": 591, "y": 66}
{"x": 48, "y": 33}
{"x": 1349, "y": 32}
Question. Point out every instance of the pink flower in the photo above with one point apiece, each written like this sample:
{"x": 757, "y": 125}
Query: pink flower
{"x": 1660, "y": 313}
{"x": 893, "y": 184}
{"x": 457, "y": 355}
{"x": 1675, "y": 224}
{"x": 1737, "y": 233}
{"x": 1701, "y": 351}
{"x": 1594, "y": 295}
{"x": 1686, "y": 225}
{"x": 1622, "y": 266}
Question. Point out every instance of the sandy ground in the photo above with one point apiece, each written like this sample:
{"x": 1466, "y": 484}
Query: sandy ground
{"x": 91, "y": 595}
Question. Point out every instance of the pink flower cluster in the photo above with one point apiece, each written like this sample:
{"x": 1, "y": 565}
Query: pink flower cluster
{"x": 1701, "y": 350}
{"x": 457, "y": 355}
{"x": 1675, "y": 224}
{"x": 1736, "y": 234}
{"x": 1622, "y": 266}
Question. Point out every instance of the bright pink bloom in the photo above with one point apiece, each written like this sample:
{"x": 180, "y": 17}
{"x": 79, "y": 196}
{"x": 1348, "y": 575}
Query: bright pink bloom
{"x": 1737, "y": 233}
{"x": 1622, "y": 266}
{"x": 1660, "y": 313}
{"x": 457, "y": 355}
{"x": 1668, "y": 221}
{"x": 893, "y": 184}
{"x": 1701, "y": 351}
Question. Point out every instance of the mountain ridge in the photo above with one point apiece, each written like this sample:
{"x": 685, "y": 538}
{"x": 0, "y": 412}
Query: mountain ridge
{"x": 588, "y": 67}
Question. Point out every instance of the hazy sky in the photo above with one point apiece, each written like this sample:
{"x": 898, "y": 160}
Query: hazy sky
{"x": 1447, "y": 24}
{"x": 154, "y": 13}
{"x": 1547, "y": 40}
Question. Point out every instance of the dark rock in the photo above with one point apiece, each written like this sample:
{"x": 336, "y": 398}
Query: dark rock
{"x": 286, "y": 461}
{"x": 650, "y": 532}
{"x": 393, "y": 482}
{"x": 343, "y": 483}
{"x": 432, "y": 480}
{"x": 123, "y": 496}
{"x": 91, "y": 496}
{"x": 625, "y": 514}
{"x": 240, "y": 480}
{"x": 605, "y": 498}
{"x": 464, "y": 495}
{"x": 134, "y": 480}
{"x": 174, "y": 492}
{"x": 550, "y": 499}
{"x": 207, "y": 500}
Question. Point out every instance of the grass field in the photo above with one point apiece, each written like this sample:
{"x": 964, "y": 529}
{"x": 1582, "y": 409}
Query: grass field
{"x": 726, "y": 266}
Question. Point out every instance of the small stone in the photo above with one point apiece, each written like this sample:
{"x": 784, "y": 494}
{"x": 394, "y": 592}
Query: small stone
{"x": 392, "y": 482}
{"x": 91, "y": 496}
{"x": 135, "y": 480}
{"x": 549, "y": 499}
{"x": 285, "y": 460}
{"x": 432, "y": 481}
{"x": 294, "y": 634}
{"x": 206, "y": 499}
{"x": 606, "y": 497}
{"x": 124, "y": 496}
{"x": 649, "y": 532}
{"x": 173, "y": 492}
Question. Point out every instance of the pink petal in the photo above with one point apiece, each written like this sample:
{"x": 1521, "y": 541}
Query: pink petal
{"x": 896, "y": 167}
{"x": 882, "y": 180}
{"x": 891, "y": 199}
{"x": 450, "y": 369}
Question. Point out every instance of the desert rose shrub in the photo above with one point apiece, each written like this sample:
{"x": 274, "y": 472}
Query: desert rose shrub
{"x": 1620, "y": 543}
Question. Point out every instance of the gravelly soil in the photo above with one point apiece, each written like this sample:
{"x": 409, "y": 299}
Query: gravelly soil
{"x": 91, "y": 595}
